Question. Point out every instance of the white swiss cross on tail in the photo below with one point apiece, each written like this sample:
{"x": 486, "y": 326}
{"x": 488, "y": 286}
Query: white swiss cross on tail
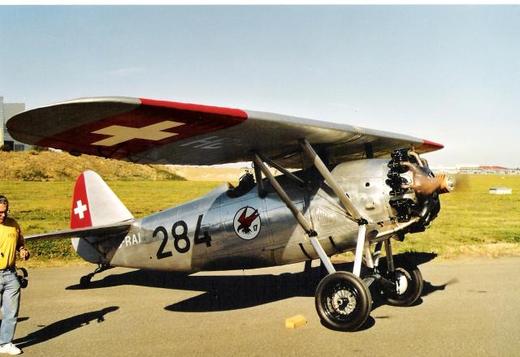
{"x": 80, "y": 209}
{"x": 94, "y": 204}
{"x": 80, "y": 213}
{"x": 119, "y": 134}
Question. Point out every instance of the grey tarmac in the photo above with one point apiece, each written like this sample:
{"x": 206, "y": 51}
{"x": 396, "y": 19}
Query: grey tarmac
{"x": 468, "y": 307}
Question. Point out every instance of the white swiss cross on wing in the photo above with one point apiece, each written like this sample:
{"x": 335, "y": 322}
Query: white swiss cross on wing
{"x": 119, "y": 134}
{"x": 80, "y": 209}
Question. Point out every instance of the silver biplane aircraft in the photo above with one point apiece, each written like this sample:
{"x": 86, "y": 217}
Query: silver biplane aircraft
{"x": 341, "y": 188}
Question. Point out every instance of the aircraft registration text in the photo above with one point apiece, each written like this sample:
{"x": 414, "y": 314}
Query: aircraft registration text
{"x": 181, "y": 241}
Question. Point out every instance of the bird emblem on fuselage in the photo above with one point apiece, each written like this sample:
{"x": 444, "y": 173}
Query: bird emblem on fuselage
{"x": 247, "y": 223}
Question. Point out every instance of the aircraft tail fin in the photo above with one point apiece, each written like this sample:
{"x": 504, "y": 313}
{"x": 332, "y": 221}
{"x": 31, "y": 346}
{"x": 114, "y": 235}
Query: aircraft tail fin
{"x": 95, "y": 204}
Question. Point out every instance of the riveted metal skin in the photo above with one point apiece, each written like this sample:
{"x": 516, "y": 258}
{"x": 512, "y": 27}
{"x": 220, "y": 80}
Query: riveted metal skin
{"x": 280, "y": 240}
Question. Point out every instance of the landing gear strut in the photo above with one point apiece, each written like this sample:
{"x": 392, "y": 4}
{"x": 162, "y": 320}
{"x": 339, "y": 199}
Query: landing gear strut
{"x": 85, "y": 280}
{"x": 343, "y": 300}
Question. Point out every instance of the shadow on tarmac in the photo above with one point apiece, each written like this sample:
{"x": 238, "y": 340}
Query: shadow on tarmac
{"x": 61, "y": 327}
{"x": 231, "y": 292}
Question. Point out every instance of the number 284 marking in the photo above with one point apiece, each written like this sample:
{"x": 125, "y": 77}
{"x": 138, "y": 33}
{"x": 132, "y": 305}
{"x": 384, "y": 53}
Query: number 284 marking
{"x": 181, "y": 241}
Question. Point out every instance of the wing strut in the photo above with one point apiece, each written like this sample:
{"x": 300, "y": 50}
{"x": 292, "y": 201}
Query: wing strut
{"x": 361, "y": 247}
{"x": 283, "y": 195}
{"x": 282, "y": 170}
{"x": 304, "y": 223}
{"x": 259, "y": 182}
{"x": 324, "y": 171}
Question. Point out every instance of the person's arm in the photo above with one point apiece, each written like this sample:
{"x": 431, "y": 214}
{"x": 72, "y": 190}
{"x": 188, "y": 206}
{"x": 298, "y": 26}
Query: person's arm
{"x": 20, "y": 245}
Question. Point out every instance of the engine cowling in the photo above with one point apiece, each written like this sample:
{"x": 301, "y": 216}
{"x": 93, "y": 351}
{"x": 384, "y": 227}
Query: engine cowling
{"x": 400, "y": 189}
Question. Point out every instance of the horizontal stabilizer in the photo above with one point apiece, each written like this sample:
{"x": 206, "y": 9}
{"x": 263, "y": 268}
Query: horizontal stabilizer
{"x": 100, "y": 231}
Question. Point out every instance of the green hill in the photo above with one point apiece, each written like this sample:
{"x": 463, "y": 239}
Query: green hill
{"x": 60, "y": 166}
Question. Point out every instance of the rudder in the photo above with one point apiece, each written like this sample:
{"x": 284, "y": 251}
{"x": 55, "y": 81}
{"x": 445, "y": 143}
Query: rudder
{"x": 95, "y": 204}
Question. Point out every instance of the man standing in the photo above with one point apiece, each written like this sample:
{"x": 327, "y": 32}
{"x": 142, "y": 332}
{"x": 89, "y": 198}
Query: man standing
{"x": 11, "y": 240}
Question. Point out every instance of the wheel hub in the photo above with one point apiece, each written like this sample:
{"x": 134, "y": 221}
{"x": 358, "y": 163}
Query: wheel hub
{"x": 343, "y": 302}
{"x": 401, "y": 283}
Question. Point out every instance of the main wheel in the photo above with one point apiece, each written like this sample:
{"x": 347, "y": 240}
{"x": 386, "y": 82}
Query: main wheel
{"x": 343, "y": 301}
{"x": 409, "y": 285}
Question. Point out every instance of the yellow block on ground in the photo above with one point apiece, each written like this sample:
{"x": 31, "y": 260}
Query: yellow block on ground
{"x": 295, "y": 321}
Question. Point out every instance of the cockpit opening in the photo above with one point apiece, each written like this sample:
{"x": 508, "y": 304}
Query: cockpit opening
{"x": 245, "y": 184}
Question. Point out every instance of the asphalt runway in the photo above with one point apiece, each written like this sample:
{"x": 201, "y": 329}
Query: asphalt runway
{"x": 468, "y": 307}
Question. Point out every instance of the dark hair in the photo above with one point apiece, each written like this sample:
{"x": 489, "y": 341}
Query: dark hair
{"x": 3, "y": 200}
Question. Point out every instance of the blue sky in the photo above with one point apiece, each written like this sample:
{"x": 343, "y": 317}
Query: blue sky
{"x": 450, "y": 74}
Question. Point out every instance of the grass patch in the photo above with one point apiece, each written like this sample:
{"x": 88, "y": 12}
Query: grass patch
{"x": 60, "y": 166}
{"x": 471, "y": 222}
{"x": 45, "y": 206}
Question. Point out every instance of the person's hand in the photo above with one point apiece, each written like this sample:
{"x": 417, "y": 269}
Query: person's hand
{"x": 24, "y": 253}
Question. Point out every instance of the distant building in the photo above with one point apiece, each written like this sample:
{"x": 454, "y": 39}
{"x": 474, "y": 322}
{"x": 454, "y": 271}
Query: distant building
{"x": 7, "y": 110}
{"x": 483, "y": 170}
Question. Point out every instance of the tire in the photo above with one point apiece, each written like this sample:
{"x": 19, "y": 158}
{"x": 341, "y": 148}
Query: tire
{"x": 413, "y": 290}
{"x": 343, "y": 301}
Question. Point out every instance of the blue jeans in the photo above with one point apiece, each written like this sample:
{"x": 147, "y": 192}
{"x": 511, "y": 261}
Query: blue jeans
{"x": 10, "y": 300}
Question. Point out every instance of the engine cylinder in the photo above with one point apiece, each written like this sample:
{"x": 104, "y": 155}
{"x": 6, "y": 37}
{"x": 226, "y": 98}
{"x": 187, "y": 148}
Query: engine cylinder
{"x": 399, "y": 189}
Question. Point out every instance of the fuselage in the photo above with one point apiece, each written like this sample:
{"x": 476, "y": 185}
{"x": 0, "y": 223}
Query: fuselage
{"x": 224, "y": 230}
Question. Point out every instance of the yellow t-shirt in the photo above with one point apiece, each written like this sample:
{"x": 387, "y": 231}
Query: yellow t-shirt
{"x": 10, "y": 238}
